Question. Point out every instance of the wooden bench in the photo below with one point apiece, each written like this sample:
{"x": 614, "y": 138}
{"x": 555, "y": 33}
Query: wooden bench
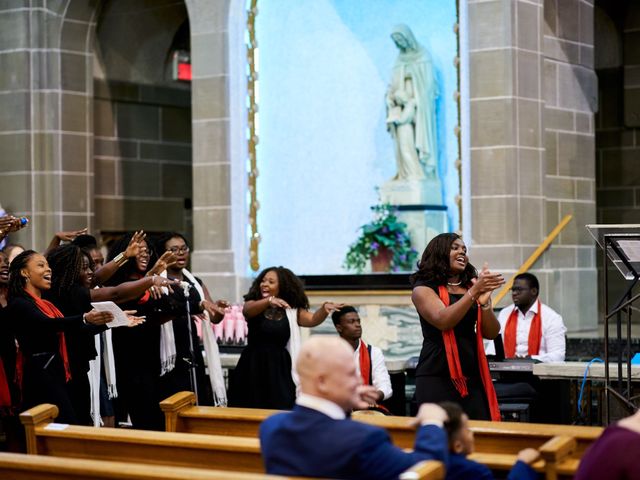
{"x": 17, "y": 466}
{"x": 508, "y": 438}
{"x": 215, "y": 452}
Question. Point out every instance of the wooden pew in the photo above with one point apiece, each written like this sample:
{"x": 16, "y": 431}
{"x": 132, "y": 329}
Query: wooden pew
{"x": 214, "y": 452}
{"x": 508, "y": 438}
{"x": 160, "y": 448}
{"x": 182, "y": 415}
{"x": 18, "y": 466}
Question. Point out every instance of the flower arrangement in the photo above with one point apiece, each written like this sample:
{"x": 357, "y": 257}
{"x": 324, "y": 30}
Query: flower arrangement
{"x": 384, "y": 235}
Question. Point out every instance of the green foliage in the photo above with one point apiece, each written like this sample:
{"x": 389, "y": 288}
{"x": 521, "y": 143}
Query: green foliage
{"x": 384, "y": 231}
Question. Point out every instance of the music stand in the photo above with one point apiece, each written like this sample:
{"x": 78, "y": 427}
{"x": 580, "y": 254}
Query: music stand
{"x": 621, "y": 247}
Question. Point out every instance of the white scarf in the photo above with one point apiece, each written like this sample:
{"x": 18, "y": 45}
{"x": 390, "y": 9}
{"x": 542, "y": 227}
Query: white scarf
{"x": 293, "y": 345}
{"x": 94, "y": 384}
{"x": 167, "y": 341}
{"x": 211, "y": 350}
{"x": 103, "y": 340}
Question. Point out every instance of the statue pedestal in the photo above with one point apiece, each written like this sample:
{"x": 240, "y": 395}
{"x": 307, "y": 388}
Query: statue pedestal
{"x": 420, "y": 206}
{"x": 423, "y": 223}
{"x": 412, "y": 192}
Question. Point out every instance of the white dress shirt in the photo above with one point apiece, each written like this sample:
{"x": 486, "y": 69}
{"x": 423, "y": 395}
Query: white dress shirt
{"x": 552, "y": 344}
{"x": 379, "y": 374}
{"x": 322, "y": 405}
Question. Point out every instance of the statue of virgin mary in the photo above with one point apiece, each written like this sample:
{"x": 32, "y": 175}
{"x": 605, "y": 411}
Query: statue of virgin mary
{"x": 411, "y": 110}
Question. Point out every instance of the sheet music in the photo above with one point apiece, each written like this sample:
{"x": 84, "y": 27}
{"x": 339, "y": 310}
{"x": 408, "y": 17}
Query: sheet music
{"x": 119, "y": 317}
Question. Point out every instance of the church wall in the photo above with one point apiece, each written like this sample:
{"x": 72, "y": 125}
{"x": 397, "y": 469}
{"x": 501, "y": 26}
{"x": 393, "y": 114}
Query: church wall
{"x": 532, "y": 145}
{"x": 142, "y": 155}
{"x": 45, "y": 107}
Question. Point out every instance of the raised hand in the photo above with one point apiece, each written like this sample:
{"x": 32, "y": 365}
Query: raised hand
{"x": 70, "y": 236}
{"x": 330, "y": 307}
{"x": 486, "y": 283}
{"x": 134, "y": 244}
{"x": 94, "y": 317}
{"x": 9, "y": 223}
{"x": 167, "y": 260}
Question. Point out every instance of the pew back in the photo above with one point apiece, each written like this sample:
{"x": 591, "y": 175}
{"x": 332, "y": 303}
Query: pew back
{"x": 16, "y": 466}
{"x": 182, "y": 415}
{"x": 213, "y": 452}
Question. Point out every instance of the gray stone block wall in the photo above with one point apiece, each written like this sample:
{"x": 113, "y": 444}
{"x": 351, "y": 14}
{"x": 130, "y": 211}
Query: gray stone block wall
{"x": 533, "y": 96}
{"x": 142, "y": 157}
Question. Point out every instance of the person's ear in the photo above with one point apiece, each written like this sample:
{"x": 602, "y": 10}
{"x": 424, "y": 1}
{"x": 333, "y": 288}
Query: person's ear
{"x": 339, "y": 328}
{"x": 534, "y": 291}
{"x": 24, "y": 274}
{"x": 457, "y": 446}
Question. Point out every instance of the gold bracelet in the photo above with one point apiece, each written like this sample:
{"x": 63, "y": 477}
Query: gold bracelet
{"x": 120, "y": 259}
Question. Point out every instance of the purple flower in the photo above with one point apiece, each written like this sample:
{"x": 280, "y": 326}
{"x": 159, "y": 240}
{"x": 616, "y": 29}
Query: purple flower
{"x": 403, "y": 258}
{"x": 385, "y": 229}
{"x": 375, "y": 245}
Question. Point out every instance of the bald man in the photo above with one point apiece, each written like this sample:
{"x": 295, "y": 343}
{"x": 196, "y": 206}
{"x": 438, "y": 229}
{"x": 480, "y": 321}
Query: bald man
{"x": 318, "y": 439}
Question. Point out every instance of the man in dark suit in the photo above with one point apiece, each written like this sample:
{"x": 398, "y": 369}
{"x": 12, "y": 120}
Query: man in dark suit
{"x": 318, "y": 439}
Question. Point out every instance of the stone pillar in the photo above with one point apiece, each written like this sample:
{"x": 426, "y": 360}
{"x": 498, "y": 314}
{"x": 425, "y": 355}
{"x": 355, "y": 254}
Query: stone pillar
{"x": 524, "y": 178}
{"x": 45, "y": 121}
{"x": 213, "y": 256}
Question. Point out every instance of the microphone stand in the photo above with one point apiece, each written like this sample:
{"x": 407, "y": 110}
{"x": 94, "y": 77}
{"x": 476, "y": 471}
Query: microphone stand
{"x": 186, "y": 286}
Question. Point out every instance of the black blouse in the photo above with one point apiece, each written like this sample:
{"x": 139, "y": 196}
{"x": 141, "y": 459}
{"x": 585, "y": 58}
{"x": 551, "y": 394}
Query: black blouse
{"x": 433, "y": 357}
{"x": 35, "y": 331}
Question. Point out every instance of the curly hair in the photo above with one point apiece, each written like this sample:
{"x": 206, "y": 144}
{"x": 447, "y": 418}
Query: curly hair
{"x": 129, "y": 269}
{"x": 290, "y": 287}
{"x": 16, "y": 281}
{"x": 66, "y": 265}
{"x": 434, "y": 267}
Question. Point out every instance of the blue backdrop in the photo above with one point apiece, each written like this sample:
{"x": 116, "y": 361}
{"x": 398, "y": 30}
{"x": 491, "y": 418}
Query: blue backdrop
{"x": 324, "y": 66}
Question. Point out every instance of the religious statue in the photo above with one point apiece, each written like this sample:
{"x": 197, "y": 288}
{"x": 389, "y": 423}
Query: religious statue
{"x": 411, "y": 110}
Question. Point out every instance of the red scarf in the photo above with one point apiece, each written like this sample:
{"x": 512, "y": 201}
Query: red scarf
{"x": 365, "y": 363}
{"x": 511, "y": 332}
{"x": 5, "y": 396}
{"x": 51, "y": 311}
{"x": 453, "y": 360}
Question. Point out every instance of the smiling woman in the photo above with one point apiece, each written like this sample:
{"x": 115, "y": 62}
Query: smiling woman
{"x": 454, "y": 305}
{"x": 40, "y": 333}
{"x": 275, "y": 307}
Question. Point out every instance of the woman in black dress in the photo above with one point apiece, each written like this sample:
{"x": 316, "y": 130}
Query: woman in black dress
{"x": 452, "y": 299}
{"x": 40, "y": 330}
{"x": 276, "y": 302}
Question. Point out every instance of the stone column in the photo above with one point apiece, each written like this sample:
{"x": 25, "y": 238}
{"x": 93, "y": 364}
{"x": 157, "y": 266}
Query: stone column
{"x": 45, "y": 122}
{"x": 213, "y": 256}
{"x": 521, "y": 184}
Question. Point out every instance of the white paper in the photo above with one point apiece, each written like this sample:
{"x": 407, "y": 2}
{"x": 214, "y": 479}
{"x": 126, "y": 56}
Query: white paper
{"x": 119, "y": 317}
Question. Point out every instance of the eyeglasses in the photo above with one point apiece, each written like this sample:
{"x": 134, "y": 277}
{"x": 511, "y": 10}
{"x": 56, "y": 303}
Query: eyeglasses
{"x": 179, "y": 250}
{"x": 519, "y": 289}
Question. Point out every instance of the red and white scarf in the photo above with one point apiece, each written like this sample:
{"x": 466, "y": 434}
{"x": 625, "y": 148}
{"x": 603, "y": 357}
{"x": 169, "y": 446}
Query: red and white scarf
{"x": 511, "y": 332}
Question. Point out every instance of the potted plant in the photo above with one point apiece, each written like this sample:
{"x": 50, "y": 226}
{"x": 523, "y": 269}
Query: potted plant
{"x": 385, "y": 241}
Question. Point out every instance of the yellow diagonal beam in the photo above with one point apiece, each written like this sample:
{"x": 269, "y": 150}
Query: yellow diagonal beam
{"x": 533, "y": 257}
